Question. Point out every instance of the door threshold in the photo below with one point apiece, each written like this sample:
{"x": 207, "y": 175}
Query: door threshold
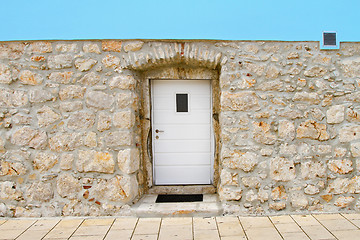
{"x": 183, "y": 189}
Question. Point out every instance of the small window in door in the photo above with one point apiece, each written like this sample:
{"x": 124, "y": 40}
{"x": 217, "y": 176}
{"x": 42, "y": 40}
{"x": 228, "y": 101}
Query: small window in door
{"x": 182, "y": 102}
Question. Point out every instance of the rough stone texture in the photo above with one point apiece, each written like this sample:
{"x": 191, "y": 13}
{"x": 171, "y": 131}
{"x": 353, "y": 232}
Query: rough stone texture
{"x": 282, "y": 169}
{"x": 67, "y": 186}
{"x": 93, "y": 161}
{"x": 76, "y": 115}
{"x": 40, "y": 192}
{"x": 44, "y": 161}
{"x": 99, "y": 100}
{"x": 128, "y": 160}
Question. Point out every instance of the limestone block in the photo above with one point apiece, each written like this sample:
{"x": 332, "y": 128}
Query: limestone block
{"x": 354, "y": 185}
{"x": 251, "y": 182}
{"x": 110, "y": 61}
{"x": 27, "y": 136}
{"x": 286, "y": 130}
{"x": 288, "y": 149}
{"x": 103, "y": 122}
{"x": 313, "y": 130}
{"x": 312, "y": 170}
{"x": 263, "y": 195}
{"x": 352, "y": 115}
{"x": 90, "y": 79}
{"x": 324, "y": 149}
{"x": 262, "y": 133}
{"x": 277, "y": 205}
{"x": 311, "y": 98}
{"x": 39, "y": 47}
{"x": 91, "y": 48}
{"x": 40, "y": 192}
{"x": 316, "y": 71}
{"x": 291, "y": 114}
{"x": 99, "y": 100}
{"x": 250, "y": 196}
{"x": 72, "y": 92}
{"x": 14, "y": 98}
{"x": 9, "y": 191}
{"x": 231, "y": 119}
{"x": 128, "y": 160}
{"x": 340, "y": 166}
{"x": 354, "y": 97}
{"x": 90, "y": 139}
{"x": 67, "y": 47}
{"x": 335, "y": 114}
{"x": 12, "y": 168}
{"x": 61, "y": 77}
{"x": 299, "y": 201}
{"x": 44, "y": 161}
{"x": 311, "y": 189}
{"x": 123, "y": 82}
{"x": 256, "y": 68}
{"x": 317, "y": 114}
{"x": 282, "y": 169}
{"x": 66, "y": 161}
{"x": 67, "y": 186}
{"x": 236, "y": 159}
{"x": 133, "y": 46}
{"x": 279, "y": 193}
{"x": 272, "y": 72}
{"x": 230, "y": 194}
{"x": 111, "y": 45}
{"x": 84, "y": 65}
{"x": 124, "y": 99}
{"x": 66, "y": 142}
{"x": 30, "y": 78}
{"x": 118, "y": 188}
{"x": 275, "y": 85}
{"x": 60, "y": 61}
{"x": 293, "y": 55}
{"x": 355, "y": 149}
{"x": 229, "y": 178}
{"x": 350, "y": 67}
{"x": 118, "y": 138}
{"x": 71, "y": 106}
{"x": 40, "y": 96}
{"x": 5, "y": 74}
{"x": 81, "y": 120}
{"x": 12, "y": 50}
{"x": 46, "y": 116}
{"x": 339, "y": 186}
{"x": 343, "y": 202}
{"x": 349, "y": 133}
{"x": 124, "y": 119}
{"x": 93, "y": 161}
{"x": 242, "y": 101}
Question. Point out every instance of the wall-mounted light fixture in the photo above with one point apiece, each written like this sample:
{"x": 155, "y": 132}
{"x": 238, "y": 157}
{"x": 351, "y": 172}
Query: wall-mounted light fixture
{"x": 329, "y": 40}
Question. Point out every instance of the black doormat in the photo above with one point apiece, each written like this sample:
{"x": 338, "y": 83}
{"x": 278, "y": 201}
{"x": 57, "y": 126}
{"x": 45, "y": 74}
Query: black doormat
{"x": 165, "y": 198}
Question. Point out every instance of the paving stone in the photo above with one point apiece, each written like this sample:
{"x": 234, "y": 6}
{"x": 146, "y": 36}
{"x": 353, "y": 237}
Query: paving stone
{"x": 205, "y": 223}
{"x": 44, "y": 225}
{"x": 351, "y": 215}
{"x": 69, "y": 223}
{"x": 180, "y": 232}
{"x": 32, "y": 235}
{"x": 263, "y": 233}
{"x": 91, "y": 230}
{"x": 206, "y": 234}
{"x": 2, "y": 221}
{"x": 294, "y": 236}
{"x": 288, "y": 228}
{"x": 255, "y": 222}
{"x": 87, "y": 238}
{"x": 327, "y": 216}
{"x": 176, "y": 221}
{"x": 98, "y": 222}
{"x": 347, "y": 235}
{"x": 60, "y": 233}
{"x": 281, "y": 219}
{"x": 144, "y": 237}
{"x": 10, "y": 234}
{"x": 336, "y": 225}
{"x": 124, "y": 224}
{"x": 229, "y": 226}
{"x": 147, "y": 226}
{"x": 317, "y": 232}
{"x": 305, "y": 220}
{"x": 234, "y": 238}
{"x": 119, "y": 234}
{"x": 16, "y": 224}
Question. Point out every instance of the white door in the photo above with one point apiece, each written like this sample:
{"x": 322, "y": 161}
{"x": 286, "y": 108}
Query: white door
{"x": 182, "y": 132}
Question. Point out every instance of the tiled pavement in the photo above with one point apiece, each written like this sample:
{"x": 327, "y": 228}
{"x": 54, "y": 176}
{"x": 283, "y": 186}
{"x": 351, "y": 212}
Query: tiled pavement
{"x": 297, "y": 227}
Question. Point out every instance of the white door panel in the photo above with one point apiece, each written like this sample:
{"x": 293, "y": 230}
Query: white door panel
{"x": 182, "y": 147}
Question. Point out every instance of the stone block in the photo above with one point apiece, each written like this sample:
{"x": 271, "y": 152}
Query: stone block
{"x": 355, "y": 149}
{"x": 236, "y": 159}
{"x": 99, "y": 100}
{"x": 311, "y": 98}
{"x": 71, "y": 106}
{"x": 104, "y": 121}
{"x": 262, "y": 133}
{"x": 40, "y": 96}
{"x": 124, "y": 99}
{"x": 5, "y": 74}
{"x": 72, "y": 92}
{"x": 349, "y": 133}
{"x": 61, "y": 77}
{"x": 93, "y": 161}
{"x": 282, "y": 169}
{"x": 27, "y": 136}
{"x": 9, "y": 191}
{"x": 343, "y": 202}
{"x": 81, "y": 120}
{"x": 335, "y": 114}
{"x": 91, "y": 48}
{"x": 67, "y": 186}
{"x": 63, "y": 142}
{"x": 125, "y": 82}
{"x": 116, "y": 139}
{"x": 133, "y": 46}
{"x": 111, "y": 61}
{"x": 60, "y": 61}
{"x": 84, "y": 65}
{"x": 230, "y": 194}
{"x": 124, "y": 119}
{"x": 229, "y": 178}
{"x": 128, "y": 160}
{"x": 12, "y": 50}
{"x": 312, "y": 170}
{"x": 66, "y": 161}
{"x": 67, "y": 47}
{"x": 30, "y": 78}
{"x": 44, "y": 161}
{"x": 313, "y": 130}
{"x": 40, "y": 192}
{"x": 343, "y": 166}
{"x": 40, "y": 47}
{"x": 111, "y": 45}
{"x": 46, "y": 116}
{"x": 316, "y": 71}
{"x": 242, "y": 101}
{"x": 12, "y": 168}
{"x": 90, "y": 79}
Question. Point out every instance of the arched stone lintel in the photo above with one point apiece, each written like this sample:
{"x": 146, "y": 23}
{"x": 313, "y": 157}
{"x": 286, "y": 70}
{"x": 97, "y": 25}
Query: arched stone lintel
{"x": 170, "y": 54}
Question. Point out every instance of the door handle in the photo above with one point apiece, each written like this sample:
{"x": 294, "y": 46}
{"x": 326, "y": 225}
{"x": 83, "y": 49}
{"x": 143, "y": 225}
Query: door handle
{"x": 158, "y": 131}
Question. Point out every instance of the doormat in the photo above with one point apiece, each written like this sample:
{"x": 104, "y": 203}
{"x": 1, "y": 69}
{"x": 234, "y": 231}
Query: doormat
{"x": 166, "y": 198}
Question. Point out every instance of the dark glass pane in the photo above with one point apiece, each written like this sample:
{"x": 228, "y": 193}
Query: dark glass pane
{"x": 330, "y": 39}
{"x": 181, "y": 102}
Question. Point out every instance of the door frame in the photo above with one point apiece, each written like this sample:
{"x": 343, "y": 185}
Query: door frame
{"x": 212, "y": 135}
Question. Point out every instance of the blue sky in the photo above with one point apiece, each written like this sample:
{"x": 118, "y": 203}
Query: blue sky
{"x": 286, "y": 20}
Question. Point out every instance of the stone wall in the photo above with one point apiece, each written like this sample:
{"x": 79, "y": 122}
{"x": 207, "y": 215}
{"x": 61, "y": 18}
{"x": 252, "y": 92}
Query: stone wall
{"x": 73, "y": 140}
